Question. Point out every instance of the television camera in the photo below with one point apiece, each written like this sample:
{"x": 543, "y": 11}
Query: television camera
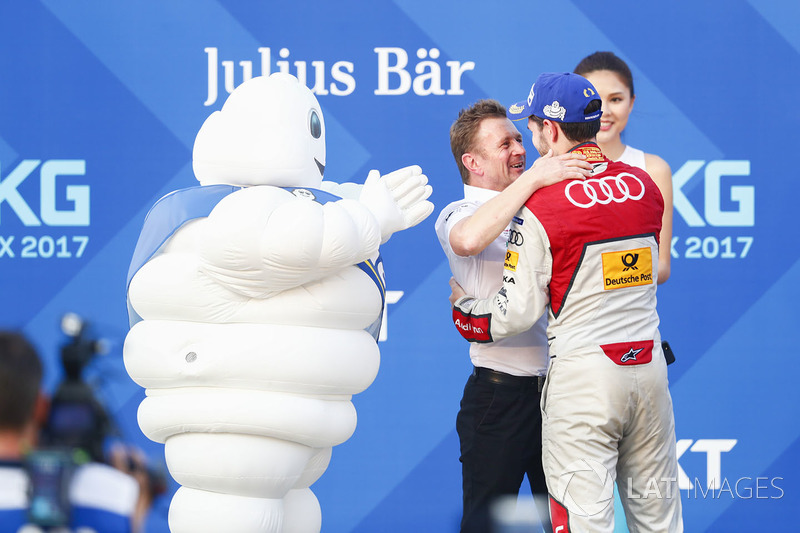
{"x": 75, "y": 431}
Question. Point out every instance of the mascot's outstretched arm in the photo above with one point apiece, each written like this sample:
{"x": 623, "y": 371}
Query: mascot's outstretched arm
{"x": 398, "y": 200}
{"x": 263, "y": 240}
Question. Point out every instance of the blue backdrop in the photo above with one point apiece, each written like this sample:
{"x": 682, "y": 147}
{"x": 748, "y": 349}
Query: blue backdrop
{"x": 100, "y": 103}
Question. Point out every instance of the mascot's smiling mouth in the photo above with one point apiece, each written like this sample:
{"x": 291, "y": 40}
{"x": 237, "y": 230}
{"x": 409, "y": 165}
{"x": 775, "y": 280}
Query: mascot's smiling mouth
{"x": 320, "y": 166}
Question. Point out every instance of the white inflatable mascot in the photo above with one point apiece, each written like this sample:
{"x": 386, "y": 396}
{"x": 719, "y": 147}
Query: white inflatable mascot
{"x": 256, "y": 299}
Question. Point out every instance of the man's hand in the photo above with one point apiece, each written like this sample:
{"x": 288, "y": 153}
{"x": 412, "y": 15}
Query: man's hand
{"x": 133, "y": 462}
{"x": 456, "y": 291}
{"x": 550, "y": 169}
{"x": 399, "y": 200}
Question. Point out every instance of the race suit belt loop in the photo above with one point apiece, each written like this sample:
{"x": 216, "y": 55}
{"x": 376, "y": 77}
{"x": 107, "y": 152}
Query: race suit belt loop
{"x": 507, "y": 380}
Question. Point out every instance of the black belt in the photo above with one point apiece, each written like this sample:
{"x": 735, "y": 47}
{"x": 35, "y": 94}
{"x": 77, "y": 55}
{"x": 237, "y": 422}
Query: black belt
{"x": 501, "y": 378}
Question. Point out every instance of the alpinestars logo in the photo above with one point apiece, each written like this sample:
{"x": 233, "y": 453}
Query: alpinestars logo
{"x": 630, "y": 355}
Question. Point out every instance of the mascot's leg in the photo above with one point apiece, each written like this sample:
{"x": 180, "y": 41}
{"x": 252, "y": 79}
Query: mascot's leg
{"x": 301, "y": 512}
{"x": 200, "y": 511}
{"x": 235, "y": 482}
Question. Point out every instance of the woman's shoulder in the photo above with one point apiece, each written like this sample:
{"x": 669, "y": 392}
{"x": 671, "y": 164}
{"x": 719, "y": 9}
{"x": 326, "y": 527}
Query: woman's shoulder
{"x": 656, "y": 166}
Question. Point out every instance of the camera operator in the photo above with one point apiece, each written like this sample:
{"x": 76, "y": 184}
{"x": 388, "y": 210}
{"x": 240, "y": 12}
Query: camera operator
{"x": 46, "y": 488}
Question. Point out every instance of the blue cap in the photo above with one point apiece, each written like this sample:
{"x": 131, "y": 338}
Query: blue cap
{"x": 558, "y": 96}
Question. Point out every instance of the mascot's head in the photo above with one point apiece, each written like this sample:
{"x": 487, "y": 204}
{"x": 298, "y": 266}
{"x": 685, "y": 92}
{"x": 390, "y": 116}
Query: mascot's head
{"x": 269, "y": 132}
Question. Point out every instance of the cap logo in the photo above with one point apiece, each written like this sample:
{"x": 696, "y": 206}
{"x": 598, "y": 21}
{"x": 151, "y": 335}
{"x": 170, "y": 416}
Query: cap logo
{"x": 555, "y": 110}
{"x": 530, "y": 95}
{"x": 516, "y": 109}
{"x": 587, "y": 92}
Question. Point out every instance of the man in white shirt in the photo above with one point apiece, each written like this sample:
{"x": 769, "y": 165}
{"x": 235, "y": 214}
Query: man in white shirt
{"x": 499, "y": 423}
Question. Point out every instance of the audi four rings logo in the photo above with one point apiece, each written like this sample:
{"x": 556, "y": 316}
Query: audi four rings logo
{"x": 603, "y": 190}
{"x": 515, "y": 238}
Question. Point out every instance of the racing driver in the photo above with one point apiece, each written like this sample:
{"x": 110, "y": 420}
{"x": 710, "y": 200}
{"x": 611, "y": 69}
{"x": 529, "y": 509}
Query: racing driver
{"x": 588, "y": 249}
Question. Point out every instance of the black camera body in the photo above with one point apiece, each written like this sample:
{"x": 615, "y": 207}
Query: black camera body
{"x": 74, "y": 433}
{"x": 77, "y": 420}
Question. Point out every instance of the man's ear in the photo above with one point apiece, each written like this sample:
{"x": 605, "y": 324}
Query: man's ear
{"x": 471, "y": 163}
{"x": 29, "y": 436}
{"x": 551, "y": 131}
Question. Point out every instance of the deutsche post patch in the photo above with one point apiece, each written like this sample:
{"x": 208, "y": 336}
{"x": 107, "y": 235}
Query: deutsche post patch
{"x": 628, "y": 268}
{"x": 511, "y": 261}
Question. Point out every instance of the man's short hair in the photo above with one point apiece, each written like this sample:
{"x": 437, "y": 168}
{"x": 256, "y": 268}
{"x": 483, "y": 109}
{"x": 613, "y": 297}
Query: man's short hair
{"x": 466, "y": 126}
{"x": 578, "y": 132}
{"x": 20, "y": 379}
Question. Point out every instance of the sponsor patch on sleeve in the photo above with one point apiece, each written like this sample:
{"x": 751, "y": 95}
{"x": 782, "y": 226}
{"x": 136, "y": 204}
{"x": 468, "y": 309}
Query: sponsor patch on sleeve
{"x": 473, "y": 328}
{"x": 628, "y": 268}
{"x": 511, "y": 260}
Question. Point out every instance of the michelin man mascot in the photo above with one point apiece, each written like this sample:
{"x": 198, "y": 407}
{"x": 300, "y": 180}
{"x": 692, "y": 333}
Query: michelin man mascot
{"x": 256, "y": 299}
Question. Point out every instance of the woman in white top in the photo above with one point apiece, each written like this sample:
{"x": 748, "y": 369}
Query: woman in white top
{"x": 613, "y": 80}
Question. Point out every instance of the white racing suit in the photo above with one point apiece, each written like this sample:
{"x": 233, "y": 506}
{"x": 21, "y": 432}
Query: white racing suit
{"x": 589, "y": 250}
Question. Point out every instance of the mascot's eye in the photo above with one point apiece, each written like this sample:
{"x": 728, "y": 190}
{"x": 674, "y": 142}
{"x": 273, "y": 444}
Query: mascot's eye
{"x": 314, "y": 125}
